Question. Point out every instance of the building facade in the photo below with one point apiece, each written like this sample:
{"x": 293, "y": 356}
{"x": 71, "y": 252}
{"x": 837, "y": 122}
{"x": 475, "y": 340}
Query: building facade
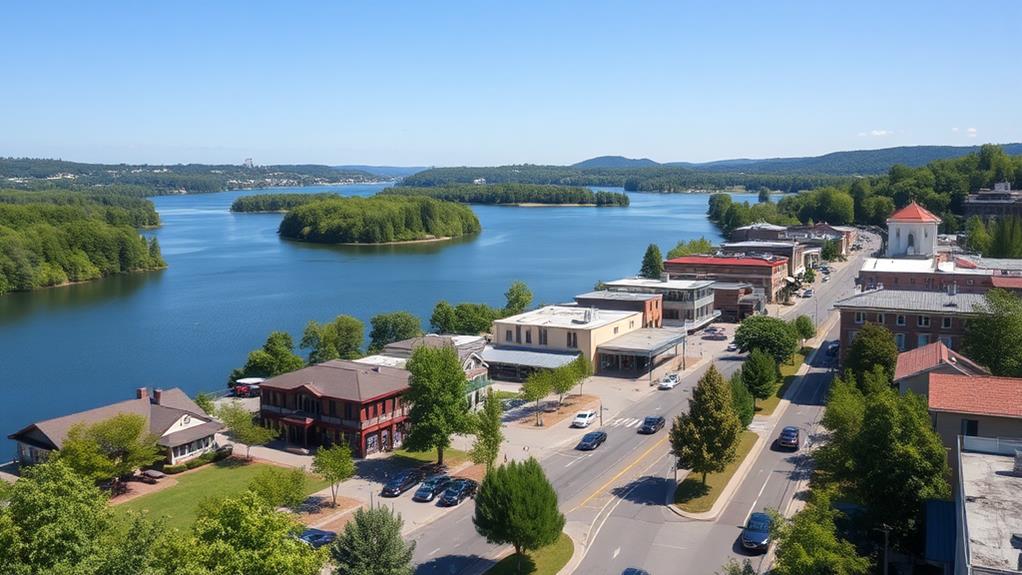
{"x": 1000, "y": 202}
{"x": 564, "y": 329}
{"x": 339, "y": 401}
{"x": 912, "y": 232}
{"x": 686, "y": 303}
{"x": 767, "y": 273}
{"x": 737, "y": 301}
{"x": 650, "y": 305}
{"x": 793, "y": 251}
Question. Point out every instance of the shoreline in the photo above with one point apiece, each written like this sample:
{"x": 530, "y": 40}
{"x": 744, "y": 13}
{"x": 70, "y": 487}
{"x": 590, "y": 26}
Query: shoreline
{"x": 397, "y": 243}
{"x": 540, "y": 205}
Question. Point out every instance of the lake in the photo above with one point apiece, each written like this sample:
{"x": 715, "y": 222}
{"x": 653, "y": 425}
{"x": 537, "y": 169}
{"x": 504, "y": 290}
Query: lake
{"x": 231, "y": 281}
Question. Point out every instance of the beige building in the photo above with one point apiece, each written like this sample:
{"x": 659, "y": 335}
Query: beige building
{"x": 564, "y": 329}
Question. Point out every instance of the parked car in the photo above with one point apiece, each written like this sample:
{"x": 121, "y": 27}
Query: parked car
{"x": 826, "y": 278}
{"x": 591, "y": 441}
{"x": 833, "y": 348}
{"x": 652, "y": 424}
{"x": 509, "y": 404}
{"x": 317, "y": 538}
{"x": 247, "y": 387}
{"x": 402, "y": 482}
{"x": 789, "y": 438}
{"x": 634, "y": 571}
{"x": 669, "y": 381}
{"x": 808, "y": 293}
{"x": 756, "y": 534}
{"x": 584, "y": 418}
{"x": 431, "y": 487}
{"x": 732, "y": 347}
{"x": 457, "y": 491}
{"x": 716, "y": 336}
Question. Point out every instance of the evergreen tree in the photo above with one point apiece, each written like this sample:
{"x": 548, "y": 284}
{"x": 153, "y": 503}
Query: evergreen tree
{"x": 437, "y": 391}
{"x": 977, "y": 237}
{"x": 652, "y": 263}
{"x": 517, "y": 505}
{"x": 706, "y": 438}
{"x": 873, "y": 345}
{"x": 489, "y": 435}
{"x": 759, "y": 373}
{"x": 743, "y": 401}
{"x": 371, "y": 544}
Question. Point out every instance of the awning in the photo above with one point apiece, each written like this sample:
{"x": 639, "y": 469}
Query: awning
{"x": 646, "y": 341}
{"x": 303, "y": 421}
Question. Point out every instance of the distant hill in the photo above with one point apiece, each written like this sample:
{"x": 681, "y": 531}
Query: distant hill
{"x": 615, "y": 162}
{"x": 384, "y": 171}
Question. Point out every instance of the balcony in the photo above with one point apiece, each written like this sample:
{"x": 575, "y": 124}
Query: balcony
{"x": 332, "y": 420}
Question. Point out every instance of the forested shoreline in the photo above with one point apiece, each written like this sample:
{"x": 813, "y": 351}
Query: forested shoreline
{"x": 277, "y": 202}
{"x": 377, "y": 220}
{"x": 514, "y": 194}
{"x": 51, "y": 238}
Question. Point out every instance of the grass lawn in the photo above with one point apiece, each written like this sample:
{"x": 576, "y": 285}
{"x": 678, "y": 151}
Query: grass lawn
{"x": 502, "y": 394}
{"x": 452, "y": 457}
{"x": 179, "y": 503}
{"x": 545, "y": 561}
{"x": 767, "y": 406}
{"x": 694, "y": 497}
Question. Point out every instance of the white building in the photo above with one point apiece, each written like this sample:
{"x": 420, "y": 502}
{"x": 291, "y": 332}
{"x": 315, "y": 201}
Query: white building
{"x": 912, "y": 232}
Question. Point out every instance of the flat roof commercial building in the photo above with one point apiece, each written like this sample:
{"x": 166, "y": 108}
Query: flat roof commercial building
{"x": 764, "y": 272}
{"x": 794, "y": 251}
{"x": 988, "y": 506}
{"x": 686, "y": 303}
{"x": 650, "y": 305}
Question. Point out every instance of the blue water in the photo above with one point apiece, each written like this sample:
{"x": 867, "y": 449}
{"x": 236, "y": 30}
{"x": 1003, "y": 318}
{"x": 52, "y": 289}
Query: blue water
{"x": 231, "y": 281}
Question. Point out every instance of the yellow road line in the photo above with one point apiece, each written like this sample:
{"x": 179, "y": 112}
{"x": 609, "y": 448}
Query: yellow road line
{"x": 620, "y": 473}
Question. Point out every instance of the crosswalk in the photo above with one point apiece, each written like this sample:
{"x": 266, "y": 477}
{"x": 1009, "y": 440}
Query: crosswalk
{"x": 626, "y": 422}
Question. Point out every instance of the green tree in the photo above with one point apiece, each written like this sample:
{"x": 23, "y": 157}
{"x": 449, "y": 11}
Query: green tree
{"x": 652, "y": 263}
{"x": 809, "y": 276}
{"x": 516, "y": 504}
{"x": 830, "y": 251}
{"x": 205, "y": 402}
{"x": 808, "y": 543}
{"x": 242, "y": 428}
{"x": 563, "y": 380}
{"x": 733, "y": 567}
{"x": 244, "y": 534}
{"x": 444, "y": 319}
{"x": 743, "y": 401}
{"x": 337, "y": 339}
{"x": 277, "y": 356}
{"x": 488, "y": 432}
{"x": 334, "y": 464}
{"x": 279, "y": 487}
{"x": 391, "y": 327}
{"x": 538, "y": 385}
{"x": 692, "y": 247}
{"x": 759, "y": 373}
{"x": 764, "y": 194}
{"x": 437, "y": 391}
{"x": 994, "y": 337}
{"x": 873, "y": 345}
{"x": 371, "y": 544}
{"x": 803, "y": 325}
{"x": 769, "y": 334}
{"x": 706, "y": 438}
{"x": 518, "y": 297}
{"x": 111, "y": 448}
{"x": 977, "y": 237}
{"x": 581, "y": 370}
{"x": 846, "y": 406}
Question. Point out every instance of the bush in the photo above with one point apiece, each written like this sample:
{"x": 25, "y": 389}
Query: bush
{"x": 174, "y": 469}
{"x": 193, "y": 463}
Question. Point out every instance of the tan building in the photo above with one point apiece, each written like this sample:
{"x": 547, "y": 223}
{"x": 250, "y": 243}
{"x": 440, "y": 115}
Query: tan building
{"x": 764, "y": 272}
{"x": 564, "y": 329}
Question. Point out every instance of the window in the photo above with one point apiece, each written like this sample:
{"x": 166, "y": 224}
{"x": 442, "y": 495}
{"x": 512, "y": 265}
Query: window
{"x": 542, "y": 336}
{"x": 615, "y": 327}
{"x": 518, "y": 334}
{"x": 860, "y": 317}
{"x": 899, "y": 320}
{"x": 880, "y": 318}
{"x": 922, "y": 339}
{"x": 507, "y": 336}
{"x": 528, "y": 336}
{"x": 970, "y": 427}
{"x": 333, "y": 407}
{"x": 631, "y": 324}
{"x": 899, "y": 340}
{"x": 923, "y": 321}
{"x": 947, "y": 341}
{"x": 945, "y": 323}
{"x": 572, "y": 339}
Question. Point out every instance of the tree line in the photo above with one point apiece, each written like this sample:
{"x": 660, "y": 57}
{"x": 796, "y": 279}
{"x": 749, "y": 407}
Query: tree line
{"x": 277, "y": 202}
{"x": 378, "y": 219}
{"x": 513, "y": 194}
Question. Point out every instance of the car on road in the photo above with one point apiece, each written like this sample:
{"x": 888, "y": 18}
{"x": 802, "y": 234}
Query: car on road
{"x": 807, "y": 293}
{"x": 402, "y": 482}
{"x": 716, "y": 336}
{"x": 669, "y": 381}
{"x": 317, "y": 538}
{"x": 591, "y": 441}
{"x": 833, "y": 348}
{"x": 756, "y": 533}
{"x": 652, "y": 424}
{"x": 431, "y": 487}
{"x": 634, "y": 571}
{"x": 584, "y": 418}
{"x": 789, "y": 438}
{"x": 457, "y": 491}
{"x": 826, "y": 278}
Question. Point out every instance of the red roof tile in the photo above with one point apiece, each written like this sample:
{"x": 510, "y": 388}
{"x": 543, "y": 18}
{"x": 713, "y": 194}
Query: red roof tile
{"x": 913, "y": 213}
{"x": 988, "y": 395}
{"x": 1008, "y": 282}
{"x": 724, "y": 261}
{"x": 930, "y": 356}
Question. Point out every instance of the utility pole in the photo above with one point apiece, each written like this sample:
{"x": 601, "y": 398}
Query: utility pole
{"x": 886, "y": 531}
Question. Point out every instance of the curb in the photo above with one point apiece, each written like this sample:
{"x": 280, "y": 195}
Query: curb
{"x": 729, "y": 490}
{"x": 576, "y": 557}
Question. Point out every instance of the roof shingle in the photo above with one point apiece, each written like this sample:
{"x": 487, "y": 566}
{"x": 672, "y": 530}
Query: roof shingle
{"x": 987, "y": 395}
{"x": 933, "y": 355}
{"x": 345, "y": 380}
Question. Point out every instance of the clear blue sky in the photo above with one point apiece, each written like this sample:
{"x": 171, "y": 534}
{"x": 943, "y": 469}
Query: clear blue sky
{"x": 471, "y": 83}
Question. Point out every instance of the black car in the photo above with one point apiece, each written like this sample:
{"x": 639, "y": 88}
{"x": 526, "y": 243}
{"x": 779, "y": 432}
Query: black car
{"x": 652, "y": 424}
{"x": 317, "y": 538}
{"x": 431, "y": 487}
{"x": 402, "y": 482}
{"x": 634, "y": 571}
{"x": 756, "y": 534}
{"x": 591, "y": 441}
{"x": 789, "y": 438}
{"x": 457, "y": 491}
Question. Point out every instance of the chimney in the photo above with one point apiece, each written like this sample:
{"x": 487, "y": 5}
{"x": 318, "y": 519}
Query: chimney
{"x": 141, "y": 393}
{"x": 157, "y": 395}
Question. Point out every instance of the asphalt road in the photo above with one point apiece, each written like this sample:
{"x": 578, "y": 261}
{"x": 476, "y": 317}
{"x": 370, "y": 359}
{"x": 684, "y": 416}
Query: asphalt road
{"x": 616, "y": 493}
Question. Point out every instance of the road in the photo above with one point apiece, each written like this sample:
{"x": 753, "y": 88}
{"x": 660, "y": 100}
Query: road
{"x": 614, "y": 497}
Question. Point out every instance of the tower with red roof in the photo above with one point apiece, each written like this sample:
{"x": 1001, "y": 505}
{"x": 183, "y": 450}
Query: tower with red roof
{"x": 912, "y": 232}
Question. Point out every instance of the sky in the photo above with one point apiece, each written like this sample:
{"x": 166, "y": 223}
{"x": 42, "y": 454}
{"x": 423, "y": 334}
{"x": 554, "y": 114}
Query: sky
{"x": 485, "y": 83}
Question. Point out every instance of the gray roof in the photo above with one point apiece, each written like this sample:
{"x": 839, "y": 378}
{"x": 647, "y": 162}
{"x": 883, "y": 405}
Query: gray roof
{"x": 730, "y": 285}
{"x": 762, "y": 226}
{"x": 527, "y": 357}
{"x": 340, "y": 379}
{"x": 645, "y": 341}
{"x": 998, "y": 263}
{"x": 759, "y": 244}
{"x": 908, "y": 300}
{"x": 618, "y": 295}
{"x": 191, "y": 434}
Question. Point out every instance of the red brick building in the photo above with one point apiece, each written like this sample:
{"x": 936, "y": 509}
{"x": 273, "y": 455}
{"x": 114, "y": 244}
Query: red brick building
{"x": 764, "y": 272}
{"x": 650, "y": 304}
{"x": 338, "y": 401}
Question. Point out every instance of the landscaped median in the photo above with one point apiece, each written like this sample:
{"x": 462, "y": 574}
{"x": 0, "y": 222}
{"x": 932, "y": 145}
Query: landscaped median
{"x": 788, "y": 370}
{"x": 546, "y": 561}
{"x": 692, "y": 496}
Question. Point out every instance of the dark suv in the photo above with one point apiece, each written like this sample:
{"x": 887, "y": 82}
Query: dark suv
{"x": 457, "y": 491}
{"x": 652, "y": 424}
{"x": 402, "y": 482}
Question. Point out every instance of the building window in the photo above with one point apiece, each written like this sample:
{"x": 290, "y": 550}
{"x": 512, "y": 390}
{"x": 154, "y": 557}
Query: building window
{"x": 970, "y": 427}
{"x": 615, "y": 327}
{"x": 899, "y": 340}
{"x": 880, "y": 318}
{"x": 900, "y": 319}
{"x": 507, "y": 336}
{"x": 923, "y": 321}
{"x": 947, "y": 341}
{"x": 518, "y": 334}
{"x": 542, "y": 336}
{"x": 631, "y": 324}
{"x": 528, "y": 336}
{"x": 945, "y": 323}
{"x": 922, "y": 339}
{"x": 333, "y": 407}
{"x": 860, "y": 317}
{"x": 572, "y": 339}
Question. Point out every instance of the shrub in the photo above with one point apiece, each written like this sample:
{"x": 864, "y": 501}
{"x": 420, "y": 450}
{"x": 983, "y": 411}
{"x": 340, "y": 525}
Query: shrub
{"x": 173, "y": 469}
